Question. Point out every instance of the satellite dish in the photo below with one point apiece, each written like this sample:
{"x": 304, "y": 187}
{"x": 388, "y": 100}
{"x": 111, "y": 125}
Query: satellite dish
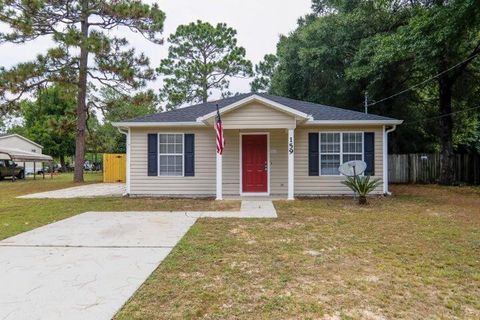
{"x": 352, "y": 168}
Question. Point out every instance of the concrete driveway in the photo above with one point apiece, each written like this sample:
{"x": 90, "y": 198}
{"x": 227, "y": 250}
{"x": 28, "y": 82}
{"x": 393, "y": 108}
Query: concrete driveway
{"x": 85, "y": 191}
{"x": 84, "y": 267}
{"x": 87, "y": 266}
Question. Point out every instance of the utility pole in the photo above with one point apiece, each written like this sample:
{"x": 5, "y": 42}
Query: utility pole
{"x": 366, "y": 102}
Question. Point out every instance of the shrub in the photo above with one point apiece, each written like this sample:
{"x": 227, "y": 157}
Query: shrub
{"x": 362, "y": 185}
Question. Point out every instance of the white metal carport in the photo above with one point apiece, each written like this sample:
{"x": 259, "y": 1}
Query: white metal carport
{"x": 17, "y": 155}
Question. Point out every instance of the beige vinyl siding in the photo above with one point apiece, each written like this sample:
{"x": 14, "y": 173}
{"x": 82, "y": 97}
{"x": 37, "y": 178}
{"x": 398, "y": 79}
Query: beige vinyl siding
{"x": 257, "y": 116}
{"x": 203, "y": 183}
{"x": 231, "y": 163}
{"x": 329, "y": 185}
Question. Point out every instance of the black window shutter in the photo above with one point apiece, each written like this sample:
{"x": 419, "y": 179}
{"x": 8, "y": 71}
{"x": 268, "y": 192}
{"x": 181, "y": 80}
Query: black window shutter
{"x": 369, "y": 152}
{"x": 152, "y": 154}
{"x": 313, "y": 161}
{"x": 189, "y": 156}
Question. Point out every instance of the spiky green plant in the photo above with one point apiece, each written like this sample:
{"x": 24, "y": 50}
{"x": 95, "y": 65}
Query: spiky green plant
{"x": 362, "y": 185}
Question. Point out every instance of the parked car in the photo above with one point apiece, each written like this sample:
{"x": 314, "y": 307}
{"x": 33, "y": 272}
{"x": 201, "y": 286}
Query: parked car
{"x": 87, "y": 166}
{"x": 6, "y": 167}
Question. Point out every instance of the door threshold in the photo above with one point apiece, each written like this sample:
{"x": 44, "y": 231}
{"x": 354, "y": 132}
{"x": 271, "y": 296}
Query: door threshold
{"x": 254, "y": 194}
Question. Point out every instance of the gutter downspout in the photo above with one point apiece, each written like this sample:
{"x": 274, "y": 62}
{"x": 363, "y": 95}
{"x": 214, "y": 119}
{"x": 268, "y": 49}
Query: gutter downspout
{"x": 385, "y": 158}
{"x": 127, "y": 176}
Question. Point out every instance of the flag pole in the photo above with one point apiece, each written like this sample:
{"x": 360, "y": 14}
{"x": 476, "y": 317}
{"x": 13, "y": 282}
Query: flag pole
{"x": 219, "y": 147}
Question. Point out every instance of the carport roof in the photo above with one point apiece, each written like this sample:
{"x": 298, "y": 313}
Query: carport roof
{"x": 22, "y": 155}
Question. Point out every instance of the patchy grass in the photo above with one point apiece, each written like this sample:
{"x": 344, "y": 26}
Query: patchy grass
{"x": 20, "y": 215}
{"x": 414, "y": 256}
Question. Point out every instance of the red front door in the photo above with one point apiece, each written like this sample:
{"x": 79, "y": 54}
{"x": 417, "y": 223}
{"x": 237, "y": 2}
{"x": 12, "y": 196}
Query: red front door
{"x": 254, "y": 163}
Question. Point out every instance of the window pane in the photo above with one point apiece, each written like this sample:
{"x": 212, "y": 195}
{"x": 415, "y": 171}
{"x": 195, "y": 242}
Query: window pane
{"x": 351, "y": 157}
{"x": 171, "y": 154}
{"x": 324, "y": 137}
{"x": 336, "y": 137}
{"x": 178, "y": 161}
{"x": 163, "y": 148}
{"x": 171, "y": 144}
{"x": 329, "y": 164}
{"x": 171, "y": 165}
{"x": 330, "y": 143}
{"x": 178, "y": 148}
{"x": 352, "y": 142}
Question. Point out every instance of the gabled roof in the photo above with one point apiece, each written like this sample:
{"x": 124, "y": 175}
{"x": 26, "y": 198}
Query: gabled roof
{"x": 317, "y": 113}
{"x": 7, "y": 135}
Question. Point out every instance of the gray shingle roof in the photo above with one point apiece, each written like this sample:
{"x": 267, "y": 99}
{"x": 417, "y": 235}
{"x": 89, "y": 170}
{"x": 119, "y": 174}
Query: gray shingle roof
{"x": 317, "y": 111}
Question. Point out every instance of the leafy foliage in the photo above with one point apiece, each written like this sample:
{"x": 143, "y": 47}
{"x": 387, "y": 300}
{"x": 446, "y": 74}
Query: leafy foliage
{"x": 116, "y": 107}
{"x": 362, "y": 185}
{"x": 346, "y": 48}
{"x": 50, "y": 121}
{"x": 433, "y": 37}
{"x": 201, "y": 58}
{"x": 79, "y": 28}
{"x": 264, "y": 71}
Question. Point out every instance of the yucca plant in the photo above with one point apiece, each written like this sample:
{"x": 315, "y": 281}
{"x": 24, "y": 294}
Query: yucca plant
{"x": 362, "y": 185}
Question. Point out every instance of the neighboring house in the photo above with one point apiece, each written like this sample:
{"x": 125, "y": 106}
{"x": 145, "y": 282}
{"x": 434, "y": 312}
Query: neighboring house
{"x": 16, "y": 141}
{"x": 273, "y": 146}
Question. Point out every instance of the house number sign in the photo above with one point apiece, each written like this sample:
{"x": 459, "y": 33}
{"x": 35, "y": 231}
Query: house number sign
{"x": 290, "y": 146}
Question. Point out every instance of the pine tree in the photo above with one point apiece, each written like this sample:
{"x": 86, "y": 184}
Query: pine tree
{"x": 85, "y": 54}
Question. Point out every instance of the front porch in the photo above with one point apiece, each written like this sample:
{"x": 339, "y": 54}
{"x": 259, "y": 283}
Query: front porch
{"x": 256, "y": 164}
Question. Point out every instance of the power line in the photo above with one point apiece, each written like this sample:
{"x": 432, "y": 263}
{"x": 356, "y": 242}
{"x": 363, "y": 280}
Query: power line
{"x": 441, "y": 116}
{"x": 425, "y": 81}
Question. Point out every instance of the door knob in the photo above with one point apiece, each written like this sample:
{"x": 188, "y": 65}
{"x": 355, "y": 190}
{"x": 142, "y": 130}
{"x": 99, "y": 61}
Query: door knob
{"x": 266, "y": 167}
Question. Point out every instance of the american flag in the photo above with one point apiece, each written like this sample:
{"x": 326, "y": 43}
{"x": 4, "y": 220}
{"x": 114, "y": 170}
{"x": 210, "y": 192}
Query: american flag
{"x": 219, "y": 130}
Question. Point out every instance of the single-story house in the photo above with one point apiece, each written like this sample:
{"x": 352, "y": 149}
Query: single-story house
{"x": 273, "y": 146}
{"x": 16, "y": 142}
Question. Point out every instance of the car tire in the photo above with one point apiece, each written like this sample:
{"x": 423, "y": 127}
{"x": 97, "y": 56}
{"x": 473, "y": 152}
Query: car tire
{"x": 21, "y": 175}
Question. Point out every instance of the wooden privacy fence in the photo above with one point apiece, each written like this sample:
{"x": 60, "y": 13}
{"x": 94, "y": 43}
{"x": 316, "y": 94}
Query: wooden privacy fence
{"x": 425, "y": 168}
{"x": 114, "y": 167}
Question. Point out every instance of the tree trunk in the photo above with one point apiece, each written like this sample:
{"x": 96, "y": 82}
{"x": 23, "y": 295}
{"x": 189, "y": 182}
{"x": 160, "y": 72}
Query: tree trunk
{"x": 205, "y": 79}
{"x": 81, "y": 102}
{"x": 62, "y": 163}
{"x": 362, "y": 200}
{"x": 446, "y": 131}
{"x": 205, "y": 91}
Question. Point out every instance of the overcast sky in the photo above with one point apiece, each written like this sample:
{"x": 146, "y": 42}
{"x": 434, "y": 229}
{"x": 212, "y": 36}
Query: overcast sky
{"x": 258, "y": 23}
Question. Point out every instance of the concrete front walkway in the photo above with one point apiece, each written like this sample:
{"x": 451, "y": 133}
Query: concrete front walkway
{"x": 87, "y": 266}
{"x": 85, "y": 191}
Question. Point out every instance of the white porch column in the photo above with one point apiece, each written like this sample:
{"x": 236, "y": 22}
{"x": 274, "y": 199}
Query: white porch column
{"x": 219, "y": 177}
{"x": 129, "y": 139}
{"x": 291, "y": 158}
{"x": 385, "y": 161}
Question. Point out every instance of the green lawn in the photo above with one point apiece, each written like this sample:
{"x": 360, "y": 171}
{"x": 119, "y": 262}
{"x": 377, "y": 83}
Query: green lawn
{"x": 412, "y": 256}
{"x": 415, "y": 255}
{"x": 20, "y": 215}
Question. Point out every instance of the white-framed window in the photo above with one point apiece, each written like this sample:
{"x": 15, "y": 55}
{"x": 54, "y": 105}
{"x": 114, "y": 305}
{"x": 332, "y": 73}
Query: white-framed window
{"x": 337, "y": 148}
{"x": 170, "y": 154}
